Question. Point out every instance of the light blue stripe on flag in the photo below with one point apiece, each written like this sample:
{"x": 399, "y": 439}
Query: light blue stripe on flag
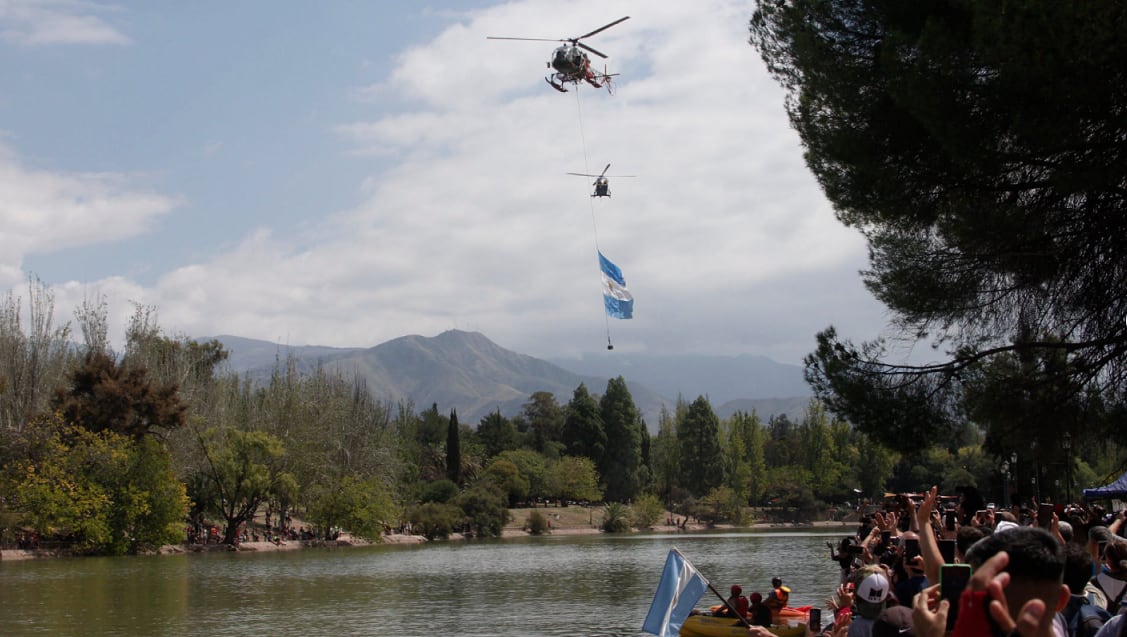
{"x": 679, "y": 590}
{"x": 617, "y": 299}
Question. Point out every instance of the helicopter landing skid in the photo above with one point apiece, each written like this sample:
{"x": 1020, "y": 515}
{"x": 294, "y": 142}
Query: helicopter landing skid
{"x": 558, "y": 87}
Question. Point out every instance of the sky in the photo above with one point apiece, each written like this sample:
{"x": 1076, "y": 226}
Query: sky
{"x": 350, "y": 172}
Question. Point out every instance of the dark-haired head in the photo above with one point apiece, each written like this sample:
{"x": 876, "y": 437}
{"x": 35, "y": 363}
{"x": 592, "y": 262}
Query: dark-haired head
{"x": 966, "y": 536}
{"x": 1077, "y": 567}
{"x": 1036, "y": 566}
{"x": 1115, "y": 556}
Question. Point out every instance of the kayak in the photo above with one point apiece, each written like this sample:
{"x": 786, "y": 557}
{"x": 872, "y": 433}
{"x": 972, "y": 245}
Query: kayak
{"x": 709, "y": 626}
{"x": 784, "y": 615}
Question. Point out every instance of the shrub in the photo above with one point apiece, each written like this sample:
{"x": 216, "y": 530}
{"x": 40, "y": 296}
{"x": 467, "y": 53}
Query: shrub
{"x": 616, "y": 518}
{"x": 646, "y": 511}
{"x": 537, "y": 523}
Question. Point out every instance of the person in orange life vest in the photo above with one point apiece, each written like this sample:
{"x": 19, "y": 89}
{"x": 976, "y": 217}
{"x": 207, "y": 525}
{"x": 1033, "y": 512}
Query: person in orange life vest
{"x": 779, "y": 596}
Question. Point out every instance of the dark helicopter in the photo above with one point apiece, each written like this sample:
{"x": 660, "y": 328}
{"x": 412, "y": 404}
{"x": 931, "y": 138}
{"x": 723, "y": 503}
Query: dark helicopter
{"x": 602, "y": 183}
{"x": 571, "y": 64}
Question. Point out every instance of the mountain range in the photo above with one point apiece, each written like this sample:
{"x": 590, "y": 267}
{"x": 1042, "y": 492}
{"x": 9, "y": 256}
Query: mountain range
{"x": 470, "y": 373}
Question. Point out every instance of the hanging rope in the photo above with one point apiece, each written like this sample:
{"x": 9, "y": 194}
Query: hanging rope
{"x": 590, "y": 200}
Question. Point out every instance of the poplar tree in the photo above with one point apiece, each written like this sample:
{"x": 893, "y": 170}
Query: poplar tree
{"x": 453, "y": 450}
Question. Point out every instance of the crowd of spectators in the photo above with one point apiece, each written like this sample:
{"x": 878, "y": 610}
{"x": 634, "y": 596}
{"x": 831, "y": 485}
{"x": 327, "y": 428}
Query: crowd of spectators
{"x": 934, "y": 566}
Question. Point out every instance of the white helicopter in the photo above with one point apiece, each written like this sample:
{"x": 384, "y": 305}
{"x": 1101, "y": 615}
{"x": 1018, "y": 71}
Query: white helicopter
{"x": 571, "y": 64}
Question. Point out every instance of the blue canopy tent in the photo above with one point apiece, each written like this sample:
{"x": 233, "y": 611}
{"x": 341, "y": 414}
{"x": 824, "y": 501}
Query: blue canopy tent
{"x": 1115, "y": 490}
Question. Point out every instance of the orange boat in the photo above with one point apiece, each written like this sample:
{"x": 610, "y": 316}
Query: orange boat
{"x": 787, "y": 613}
{"x": 709, "y": 626}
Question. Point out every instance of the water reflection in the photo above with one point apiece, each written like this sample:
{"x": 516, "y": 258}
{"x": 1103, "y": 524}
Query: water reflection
{"x": 582, "y": 586}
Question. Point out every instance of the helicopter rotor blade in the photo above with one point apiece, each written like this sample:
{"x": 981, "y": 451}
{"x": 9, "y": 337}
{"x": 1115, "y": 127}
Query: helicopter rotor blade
{"x": 582, "y": 175}
{"x": 494, "y": 37}
{"x": 605, "y": 171}
{"x": 603, "y": 28}
{"x": 584, "y": 46}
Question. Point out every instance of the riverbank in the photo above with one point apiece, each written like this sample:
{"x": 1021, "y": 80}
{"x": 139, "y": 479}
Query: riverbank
{"x": 569, "y": 520}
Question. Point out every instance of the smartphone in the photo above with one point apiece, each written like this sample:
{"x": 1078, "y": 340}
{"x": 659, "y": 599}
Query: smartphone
{"x": 855, "y": 549}
{"x": 947, "y": 550}
{"x": 814, "y": 623}
{"x": 905, "y": 523}
{"x": 949, "y": 520}
{"x": 953, "y": 579}
{"x": 1044, "y": 515}
{"x": 911, "y": 548}
{"x": 885, "y": 536}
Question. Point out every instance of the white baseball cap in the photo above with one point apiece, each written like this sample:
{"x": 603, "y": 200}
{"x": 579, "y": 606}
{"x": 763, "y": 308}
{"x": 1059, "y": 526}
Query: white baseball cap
{"x": 873, "y": 588}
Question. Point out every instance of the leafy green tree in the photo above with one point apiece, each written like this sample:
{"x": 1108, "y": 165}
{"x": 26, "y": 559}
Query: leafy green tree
{"x": 666, "y": 455}
{"x": 453, "y": 449}
{"x": 439, "y": 491}
{"x": 533, "y": 468}
{"x": 434, "y": 520}
{"x": 702, "y": 460}
{"x": 110, "y": 493}
{"x": 819, "y": 455}
{"x": 483, "y": 508}
{"x": 988, "y": 183}
{"x": 621, "y": 465}
{"x": 361, "y": 506}
{"x": 720, "y": 505}
{"x": 241, "y": 474}
{"x": 496, "y": 434}
{"x": 507, "y": 476}
{"x": 583, "y": 432}
{"x": 744, "y": 455}
{"x": 574, "y": 478}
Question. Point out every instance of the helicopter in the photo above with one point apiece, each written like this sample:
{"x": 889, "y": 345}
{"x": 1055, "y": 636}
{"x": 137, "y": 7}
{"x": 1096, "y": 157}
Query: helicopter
{"x": 571, "y": 64}
{"x": 602, "y": 183}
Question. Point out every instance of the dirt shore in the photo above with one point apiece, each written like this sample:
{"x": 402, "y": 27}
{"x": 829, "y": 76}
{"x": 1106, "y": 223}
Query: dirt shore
{"x": 569, "y": 520}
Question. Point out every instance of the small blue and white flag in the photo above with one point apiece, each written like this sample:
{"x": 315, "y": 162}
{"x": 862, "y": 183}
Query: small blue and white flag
{"x": 679, "y": 590}
{"x": 618, "y": 300}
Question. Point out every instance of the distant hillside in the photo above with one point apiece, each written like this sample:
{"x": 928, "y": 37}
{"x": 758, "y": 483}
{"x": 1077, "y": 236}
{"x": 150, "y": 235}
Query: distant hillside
{"x": 793, "y": 408}
{"x": 720, "y": 378}
{"x": 245, "y": 354}
{"x": 457, "y": 370}
{"x": 470, "y": 373}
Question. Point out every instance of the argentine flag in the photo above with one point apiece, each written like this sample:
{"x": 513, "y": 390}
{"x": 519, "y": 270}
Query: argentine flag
{"x": 680, "y": 589}
{"x": 618, "y": 301}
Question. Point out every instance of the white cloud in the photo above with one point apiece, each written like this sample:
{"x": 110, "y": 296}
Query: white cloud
{"x": 44, "y": 212}
{"x": 47, "y": 22}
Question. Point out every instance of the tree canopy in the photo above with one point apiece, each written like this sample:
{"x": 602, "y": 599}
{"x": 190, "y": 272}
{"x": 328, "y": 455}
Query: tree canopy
{"x": 980, "y": 148}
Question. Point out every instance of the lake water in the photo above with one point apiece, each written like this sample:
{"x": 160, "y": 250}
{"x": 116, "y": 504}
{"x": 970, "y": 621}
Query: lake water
{"x": 582, "y": 586}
